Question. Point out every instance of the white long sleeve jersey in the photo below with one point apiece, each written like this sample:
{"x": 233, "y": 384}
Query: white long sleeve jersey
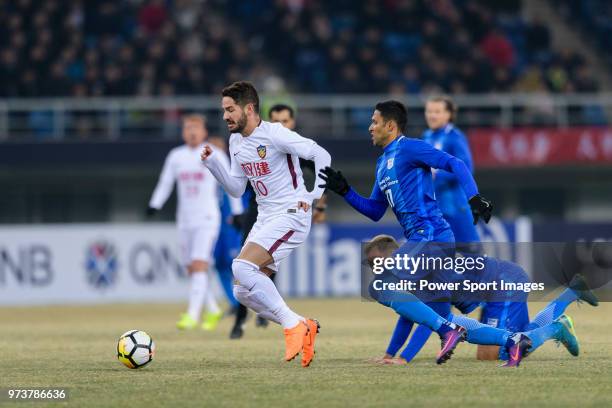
{"x": 197, "y": 189}
{"x": 269, "y": 159}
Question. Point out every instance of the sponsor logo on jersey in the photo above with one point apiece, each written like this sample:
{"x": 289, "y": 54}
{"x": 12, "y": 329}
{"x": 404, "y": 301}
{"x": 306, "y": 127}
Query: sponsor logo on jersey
{"x": 492, "y": 322}
{"x": 390, "y": 163}
{"x": 101, "y": 264}
{"x": 261, "y": 151}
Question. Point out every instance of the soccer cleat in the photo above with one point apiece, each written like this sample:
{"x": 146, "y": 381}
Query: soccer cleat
{"x": 518, "y": 350}
{"x": 237, "y": 331}
{"x": 579, "y": 285}
{"x": 308, "y": 350}
{"x": 186, "y": 322}
{"x": 211, "y": 320}
{"x": 294, "y": 340}
{"x": 567, "y": 335}
{"x": 261, "y": 322}
{"x": 449, "y": 342}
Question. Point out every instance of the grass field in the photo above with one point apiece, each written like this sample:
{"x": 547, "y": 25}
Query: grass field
{"x": 74, "y": 347}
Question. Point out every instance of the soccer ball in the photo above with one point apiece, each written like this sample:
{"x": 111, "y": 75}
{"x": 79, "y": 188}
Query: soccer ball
{"x": 135, "y": 349}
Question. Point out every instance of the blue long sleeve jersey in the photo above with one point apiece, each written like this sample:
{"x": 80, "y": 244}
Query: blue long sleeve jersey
{"x": 404, "y": 182}
{"x": 449, "y": 194}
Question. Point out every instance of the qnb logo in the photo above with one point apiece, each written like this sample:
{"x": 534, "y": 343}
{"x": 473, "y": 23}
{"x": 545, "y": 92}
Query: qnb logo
{"x": 101, "y": 264}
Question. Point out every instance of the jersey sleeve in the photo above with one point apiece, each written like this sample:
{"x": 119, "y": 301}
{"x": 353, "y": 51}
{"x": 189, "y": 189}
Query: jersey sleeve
{"x": 234, "y": 167}
{"x": 165, "y": 184}
{"x": 288, "y": 141}
{"x": 422, "y": 154}
{"x": 461, "y": 150}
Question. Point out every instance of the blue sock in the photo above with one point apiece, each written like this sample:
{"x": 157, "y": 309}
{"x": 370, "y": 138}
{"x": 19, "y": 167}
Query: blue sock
{"x": 479, "y": 333}
{"x": 399, "y": 336}
{"x": 539, "y": 335}
{"x": 410, "y": 307}
{"x": 553, "y": 310}
{"x": 416, "y": 343}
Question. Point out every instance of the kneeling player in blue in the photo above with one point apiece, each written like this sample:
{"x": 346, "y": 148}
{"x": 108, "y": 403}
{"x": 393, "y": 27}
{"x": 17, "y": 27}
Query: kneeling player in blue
{"x": 404, "y": 182}
{"x": 553, "y": 323}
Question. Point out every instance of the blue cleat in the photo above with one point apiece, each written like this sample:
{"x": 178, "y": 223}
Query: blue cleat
{"x": 449, "y": 343}
{"x": 579, "y": 285}
{"x": 518, "y": 350}
{"x": 567, "y": 335}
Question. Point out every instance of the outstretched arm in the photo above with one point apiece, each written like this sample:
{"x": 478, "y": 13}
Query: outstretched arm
{"x": 218, "y": 165}
{"x": 424, "y": 154}
{"x": 399, "y": 336}
{"x": 373, "y": 207}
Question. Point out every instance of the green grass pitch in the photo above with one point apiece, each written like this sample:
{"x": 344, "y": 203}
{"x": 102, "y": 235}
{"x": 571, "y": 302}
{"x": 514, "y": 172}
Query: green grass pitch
{"x": 74, "y": 347}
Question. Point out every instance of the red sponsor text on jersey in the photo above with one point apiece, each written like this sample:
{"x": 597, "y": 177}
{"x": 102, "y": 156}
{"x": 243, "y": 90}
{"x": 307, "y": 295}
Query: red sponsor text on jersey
{"x": 256, "y": 169}
{"x": 187, "y": 175}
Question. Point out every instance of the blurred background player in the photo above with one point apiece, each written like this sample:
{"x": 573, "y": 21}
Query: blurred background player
{"x": 266, "y": 155}
{"x": 229, "y": 241}
{"x": 285, "y": 115}
{"x": 197, "y": 217}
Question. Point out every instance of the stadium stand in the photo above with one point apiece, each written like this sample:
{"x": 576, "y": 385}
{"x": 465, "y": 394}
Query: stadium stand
{"x": 123, "y": 48}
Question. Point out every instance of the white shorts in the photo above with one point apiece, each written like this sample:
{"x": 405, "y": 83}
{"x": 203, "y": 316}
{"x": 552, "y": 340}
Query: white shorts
{"x": 280, "y": 234}
{"x": 198, "y": 243}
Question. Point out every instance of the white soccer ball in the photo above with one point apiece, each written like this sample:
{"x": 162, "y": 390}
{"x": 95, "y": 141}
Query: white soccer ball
{"x": 135, "y": 349}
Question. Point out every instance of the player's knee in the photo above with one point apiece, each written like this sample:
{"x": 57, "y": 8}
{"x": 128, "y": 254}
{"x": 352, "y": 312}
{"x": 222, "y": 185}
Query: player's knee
{"x": 244, "y": 272}
{"x": 240, "y": 293}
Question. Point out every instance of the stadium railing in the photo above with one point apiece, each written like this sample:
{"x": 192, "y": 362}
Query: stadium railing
{"x": 320, "y": 116}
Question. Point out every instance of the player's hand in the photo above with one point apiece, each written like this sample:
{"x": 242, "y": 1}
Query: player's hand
{"x": 334, "y": 181}
{"x": 481, "y": 208}
{"x": 151, "y": 212}
{"x": 303, "y": 205}
{"x": 206, "y": 152}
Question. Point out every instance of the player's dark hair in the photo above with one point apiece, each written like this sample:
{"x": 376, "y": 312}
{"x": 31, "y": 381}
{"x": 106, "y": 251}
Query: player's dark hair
{"x": 243, "y": 93}
{"x": 279, "y": 107}
{"x": 449, "y": 105}
{"x": 395, "y": 111}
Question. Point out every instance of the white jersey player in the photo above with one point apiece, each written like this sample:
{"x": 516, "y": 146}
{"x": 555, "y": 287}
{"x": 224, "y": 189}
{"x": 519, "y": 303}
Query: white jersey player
{"x": 198, "y": 217}
{"x": 267, "y": 156}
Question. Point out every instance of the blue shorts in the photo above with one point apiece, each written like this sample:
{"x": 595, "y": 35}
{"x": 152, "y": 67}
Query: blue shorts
{"x": 511, "y": 316}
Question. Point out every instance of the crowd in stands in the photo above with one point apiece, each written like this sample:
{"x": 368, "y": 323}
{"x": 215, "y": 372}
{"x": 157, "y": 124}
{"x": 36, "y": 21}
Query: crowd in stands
{"x": 191, "y": 47}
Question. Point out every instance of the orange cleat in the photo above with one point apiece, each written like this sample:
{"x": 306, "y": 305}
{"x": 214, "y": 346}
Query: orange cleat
{"x": 294, "y": 340}
{"x": 308, "y": 351}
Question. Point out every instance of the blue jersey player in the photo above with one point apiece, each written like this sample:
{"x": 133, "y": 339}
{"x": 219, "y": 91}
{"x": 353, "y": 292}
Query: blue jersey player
{"x": 440, "y": 113}
{"x": 404, "y": 183}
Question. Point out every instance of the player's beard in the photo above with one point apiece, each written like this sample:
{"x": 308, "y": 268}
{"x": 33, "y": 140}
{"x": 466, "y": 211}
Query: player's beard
{"x": 241, "y": 124}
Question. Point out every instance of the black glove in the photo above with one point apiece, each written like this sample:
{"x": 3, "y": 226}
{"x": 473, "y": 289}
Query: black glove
{"x": 151, "y": 212}
{"x": 334, "y": 181}
{"x": 481, "y": 208}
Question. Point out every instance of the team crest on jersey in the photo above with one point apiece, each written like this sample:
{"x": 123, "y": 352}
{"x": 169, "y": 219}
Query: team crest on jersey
{"x": 390, "y": 163}
{"x": 261, "y": 151}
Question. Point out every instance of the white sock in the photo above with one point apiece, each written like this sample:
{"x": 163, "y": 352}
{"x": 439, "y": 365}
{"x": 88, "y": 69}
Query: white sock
{"x": 197, "y": 294}
{"x": 263, "y": 291}
{"x": 211, "y": 302}
{"x": 242, "y": 295}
